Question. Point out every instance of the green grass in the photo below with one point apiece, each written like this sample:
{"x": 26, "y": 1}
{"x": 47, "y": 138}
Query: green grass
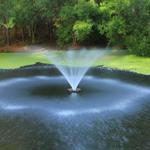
{"x": 127, "y": 62}
{"x": 15, "y": 60}
{"x": 117, "y": 61}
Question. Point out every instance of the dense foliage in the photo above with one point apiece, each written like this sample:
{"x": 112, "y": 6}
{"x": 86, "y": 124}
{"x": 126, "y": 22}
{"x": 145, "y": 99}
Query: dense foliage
{"x": 127, "y": 23}
{"x": 123, "y": 23}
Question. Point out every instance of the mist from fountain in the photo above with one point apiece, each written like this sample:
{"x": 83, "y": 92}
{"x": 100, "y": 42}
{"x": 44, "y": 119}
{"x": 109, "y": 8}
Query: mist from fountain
{"x": 74, "y": 64}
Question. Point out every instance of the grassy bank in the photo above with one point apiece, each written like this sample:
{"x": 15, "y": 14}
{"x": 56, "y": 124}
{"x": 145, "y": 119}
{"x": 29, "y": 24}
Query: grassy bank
{"x": 121, "y": 61}
{"x": 127, "y": 62}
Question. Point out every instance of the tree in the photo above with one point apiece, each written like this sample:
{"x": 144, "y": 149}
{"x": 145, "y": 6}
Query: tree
{"x": 7, "y": 19}
{"x": 65, "y": 24}
{"x": 123, "y": 22}
{"x": 77, "y": 21}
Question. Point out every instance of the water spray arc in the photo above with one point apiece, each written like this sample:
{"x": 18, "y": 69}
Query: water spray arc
{"x": 73, "y": 64}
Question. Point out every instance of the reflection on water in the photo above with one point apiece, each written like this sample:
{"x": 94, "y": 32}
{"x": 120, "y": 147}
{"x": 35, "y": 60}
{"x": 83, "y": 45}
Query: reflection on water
{"x": 37, "y": 113}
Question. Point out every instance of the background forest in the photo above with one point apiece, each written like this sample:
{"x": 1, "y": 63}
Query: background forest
{"x": 121, "y": 23}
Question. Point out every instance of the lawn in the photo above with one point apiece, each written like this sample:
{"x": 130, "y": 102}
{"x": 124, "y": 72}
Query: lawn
{"x": 121, "y": 61}
{"x": 127, "y": 62}
{"x": 15, "y": 60}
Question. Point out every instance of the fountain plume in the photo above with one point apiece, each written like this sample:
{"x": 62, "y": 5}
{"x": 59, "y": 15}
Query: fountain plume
{"x": 74, "y": 64}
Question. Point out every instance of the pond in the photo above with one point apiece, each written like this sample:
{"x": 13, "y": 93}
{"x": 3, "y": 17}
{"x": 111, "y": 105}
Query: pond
{"x": 112, "y": 112}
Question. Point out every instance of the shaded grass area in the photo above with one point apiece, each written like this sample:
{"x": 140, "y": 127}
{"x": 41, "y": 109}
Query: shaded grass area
{"x": 117, "y": 61}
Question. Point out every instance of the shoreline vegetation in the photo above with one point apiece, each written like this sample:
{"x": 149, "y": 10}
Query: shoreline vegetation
{"x": 77, "y": 22}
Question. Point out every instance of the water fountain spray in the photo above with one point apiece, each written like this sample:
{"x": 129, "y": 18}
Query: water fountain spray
{"x": 74, "y": 64}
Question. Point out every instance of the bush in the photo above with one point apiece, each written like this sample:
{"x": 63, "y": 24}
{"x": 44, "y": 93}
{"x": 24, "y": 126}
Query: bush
{"x": 82, "y": 30}
{"x": 139, "y": 45}
{"x": 64, "y": 35}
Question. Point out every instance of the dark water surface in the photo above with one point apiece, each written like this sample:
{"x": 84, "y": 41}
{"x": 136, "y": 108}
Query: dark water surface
{"x": 37, "y": 113}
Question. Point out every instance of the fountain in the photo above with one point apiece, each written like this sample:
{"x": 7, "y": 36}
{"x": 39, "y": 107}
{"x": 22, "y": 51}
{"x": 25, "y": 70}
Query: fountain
{"x": 36, "y": 111}
{"x": 74, "y": 64}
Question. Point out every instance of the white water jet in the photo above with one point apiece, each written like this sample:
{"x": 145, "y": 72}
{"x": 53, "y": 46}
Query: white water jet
{"x": 74, "y": 64}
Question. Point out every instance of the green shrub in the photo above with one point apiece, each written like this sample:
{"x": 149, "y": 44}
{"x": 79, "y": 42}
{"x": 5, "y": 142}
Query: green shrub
{"x": 82, "y": 30}
{"x": 139, "y": 45}
{"x": 64, "y": 35}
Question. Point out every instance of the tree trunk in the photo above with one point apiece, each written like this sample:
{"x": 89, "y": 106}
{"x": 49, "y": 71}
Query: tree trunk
{"x": 7, "y": 36}
{"x": 33, "y": 36}
{"x": 15, "y": 35}
{"x": 51, "y": 30}
{"x": 29, "y": 33}
{"x": 22, "y": 34}
{"x": 4, "y": 34}
{"x": 33, "y": 30}
{"x": 74, "y": 40}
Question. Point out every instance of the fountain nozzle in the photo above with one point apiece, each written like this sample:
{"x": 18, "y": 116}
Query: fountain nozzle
{"x": 74, "y": 91}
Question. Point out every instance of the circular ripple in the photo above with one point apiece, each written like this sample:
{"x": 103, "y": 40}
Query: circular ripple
{"x": 50, "y": 95}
